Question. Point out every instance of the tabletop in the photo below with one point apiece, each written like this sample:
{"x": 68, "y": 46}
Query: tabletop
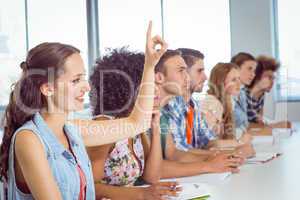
{"x": 275, "y": 180}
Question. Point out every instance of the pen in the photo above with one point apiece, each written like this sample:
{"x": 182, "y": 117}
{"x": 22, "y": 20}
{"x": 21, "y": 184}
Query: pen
{"x": 201, "y": 198}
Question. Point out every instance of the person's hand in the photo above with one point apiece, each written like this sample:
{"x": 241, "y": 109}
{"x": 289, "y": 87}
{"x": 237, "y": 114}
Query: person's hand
{"x": 282, "y": 124}
{"x": 224, "y": 162}
{"x": 245, "y": 151}
{"x": 152, "y": 55}
{"x": 159, "y": 190}
{"x": 246, "y": 138}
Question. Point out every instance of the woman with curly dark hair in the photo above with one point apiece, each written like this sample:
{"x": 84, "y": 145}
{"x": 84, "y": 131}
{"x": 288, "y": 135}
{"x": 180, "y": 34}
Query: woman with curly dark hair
{"x": 116, "y": 80}
{"x": 255, "y": 94}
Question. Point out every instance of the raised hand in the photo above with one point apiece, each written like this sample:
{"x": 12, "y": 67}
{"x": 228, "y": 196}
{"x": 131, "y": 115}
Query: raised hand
{"x": 152, "y": 55}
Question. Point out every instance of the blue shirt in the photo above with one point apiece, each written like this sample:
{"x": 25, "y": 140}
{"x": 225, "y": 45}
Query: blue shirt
{"x": 240, "y": 110}
{"x": 175, "y": 113}
{"x": 254, "y": 106}
{"x": 62, "y": 163}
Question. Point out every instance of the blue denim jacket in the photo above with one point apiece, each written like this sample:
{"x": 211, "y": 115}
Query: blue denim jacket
{"x": 240, "y": 111}
{"x": 61, "y": 161}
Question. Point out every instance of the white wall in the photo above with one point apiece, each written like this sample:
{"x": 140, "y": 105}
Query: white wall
{"x": 252, "y": 30}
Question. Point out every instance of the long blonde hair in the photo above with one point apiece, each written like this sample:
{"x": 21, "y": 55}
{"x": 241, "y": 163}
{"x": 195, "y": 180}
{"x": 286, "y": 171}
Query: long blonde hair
{"x": 216, "y": 88}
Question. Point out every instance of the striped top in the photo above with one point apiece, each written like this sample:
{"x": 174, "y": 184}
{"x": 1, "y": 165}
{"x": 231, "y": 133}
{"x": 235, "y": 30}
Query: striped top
{"x": 254, "y": 106}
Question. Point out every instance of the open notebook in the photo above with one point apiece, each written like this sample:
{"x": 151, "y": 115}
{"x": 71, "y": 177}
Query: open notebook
{"x": 194, "y": 187}
{"x": 192, "y": 190}
{"x": 263, "y": 157}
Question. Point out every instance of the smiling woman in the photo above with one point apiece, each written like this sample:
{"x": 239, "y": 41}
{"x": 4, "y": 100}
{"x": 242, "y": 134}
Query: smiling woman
{"x": 53, "y": 73}
{"x": 223, "y": 83}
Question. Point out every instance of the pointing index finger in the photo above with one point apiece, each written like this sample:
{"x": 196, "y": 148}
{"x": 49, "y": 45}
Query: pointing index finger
{"x": 149, "y": 31}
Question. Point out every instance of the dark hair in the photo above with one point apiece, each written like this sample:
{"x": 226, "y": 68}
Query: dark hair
{"x": 43, "y": 64}
{"x": 190, "y": 56}
{"x": 159, "y": 67}
{"x": 264, "y": 63}
{"x": 115, "y": 81}
{"x": 241, "y": 58}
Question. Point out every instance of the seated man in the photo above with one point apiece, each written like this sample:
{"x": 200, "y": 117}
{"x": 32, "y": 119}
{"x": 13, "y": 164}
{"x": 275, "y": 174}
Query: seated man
{"x": 116, "y": 80}
{"x": 255, "y": 93}
{"x": 183, "y": 126}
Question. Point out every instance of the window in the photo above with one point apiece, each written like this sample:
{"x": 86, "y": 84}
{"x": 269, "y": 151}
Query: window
{"x": 288, "y": 49}
{"x": 12, "y": 44}
{"x": 123, "y": 23}
{"x": 59, "y": 21}
{"x": 202, "y": 25}
{"x": 48, "y": 21}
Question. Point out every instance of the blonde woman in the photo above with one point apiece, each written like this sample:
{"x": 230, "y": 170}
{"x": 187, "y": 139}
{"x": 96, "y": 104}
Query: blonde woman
{"x": 224, "y": 84}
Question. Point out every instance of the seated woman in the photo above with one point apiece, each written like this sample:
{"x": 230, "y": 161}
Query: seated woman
{"x": 255, "y": 94}
{"x": 40, "y": 144}
{"x": 118, "y": 76}
{"x": 247, "y": 65}
{"x": 224, "y": 83}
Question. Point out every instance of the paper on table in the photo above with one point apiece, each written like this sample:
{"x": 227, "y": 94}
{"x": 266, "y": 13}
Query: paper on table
{"x": 265, "y": 140}
{"x": 192, "y": 190}
{"x": 262, "y": 157}
{"x": 282, "y": 132}
{"x": 203, "y": 178}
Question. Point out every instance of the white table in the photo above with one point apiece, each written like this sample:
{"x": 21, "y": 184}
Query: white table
{"x": 276, "y": 180}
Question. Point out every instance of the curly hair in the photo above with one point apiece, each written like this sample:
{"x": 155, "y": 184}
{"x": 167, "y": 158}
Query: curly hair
{"x": 264, "y": 63}
{"x": 115, "y": 82}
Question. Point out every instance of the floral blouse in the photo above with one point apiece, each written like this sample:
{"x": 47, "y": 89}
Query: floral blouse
{"x": 122, "y": 166}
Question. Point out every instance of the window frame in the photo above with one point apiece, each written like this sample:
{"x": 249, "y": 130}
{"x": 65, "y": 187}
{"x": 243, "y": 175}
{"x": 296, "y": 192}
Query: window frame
{"x": 278, "y": 97}
{"x": 94, "y": 33}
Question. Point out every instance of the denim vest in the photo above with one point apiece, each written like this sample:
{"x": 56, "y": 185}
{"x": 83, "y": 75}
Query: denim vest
{"x": 240, "y": 111}
{"x": 62, "y": 163}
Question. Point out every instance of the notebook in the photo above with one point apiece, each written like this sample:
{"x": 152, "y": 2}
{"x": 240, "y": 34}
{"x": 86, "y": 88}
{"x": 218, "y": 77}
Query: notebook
{"x": 261, "y": 158}
{"x": 192, "y": 191}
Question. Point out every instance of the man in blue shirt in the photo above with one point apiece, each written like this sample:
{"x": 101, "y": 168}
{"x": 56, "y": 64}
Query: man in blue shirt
{"x": 188, "y": 128}
{"x": 172, "y": 80}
